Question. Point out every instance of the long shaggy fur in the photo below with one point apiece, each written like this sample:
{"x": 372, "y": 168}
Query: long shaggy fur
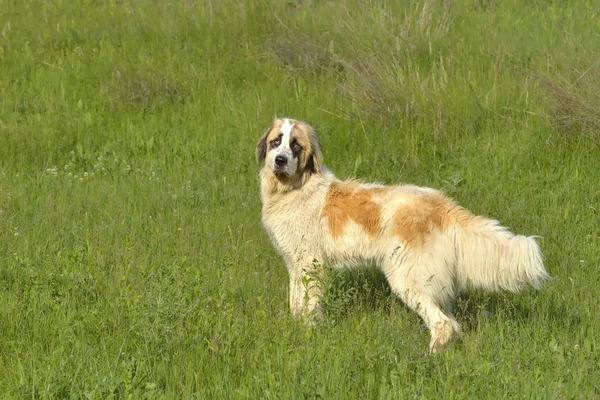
{"x": 429, "y": 248}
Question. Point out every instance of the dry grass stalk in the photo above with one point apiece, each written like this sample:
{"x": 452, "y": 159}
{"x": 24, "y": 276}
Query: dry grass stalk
{"x": 302, "y": 54}
{"x": 576, "y": 106}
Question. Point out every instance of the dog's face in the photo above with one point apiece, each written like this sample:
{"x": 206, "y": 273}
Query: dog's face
{"x": 290, "y": 149}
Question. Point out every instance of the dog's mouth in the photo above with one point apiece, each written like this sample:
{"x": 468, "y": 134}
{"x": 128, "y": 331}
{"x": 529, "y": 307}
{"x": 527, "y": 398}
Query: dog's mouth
{"x": 280, "y": 172}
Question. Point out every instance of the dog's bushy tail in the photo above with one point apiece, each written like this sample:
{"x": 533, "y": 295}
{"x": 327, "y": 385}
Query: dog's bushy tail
{"x": 492, "y": 258}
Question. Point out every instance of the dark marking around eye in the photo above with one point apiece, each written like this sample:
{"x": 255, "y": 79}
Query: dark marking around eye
{"x": 275, "y": 142}
{"x": 296, "y": 146}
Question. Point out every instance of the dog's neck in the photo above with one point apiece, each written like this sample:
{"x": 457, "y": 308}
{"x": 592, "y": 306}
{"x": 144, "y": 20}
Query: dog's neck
{"x": 274, "y": 187}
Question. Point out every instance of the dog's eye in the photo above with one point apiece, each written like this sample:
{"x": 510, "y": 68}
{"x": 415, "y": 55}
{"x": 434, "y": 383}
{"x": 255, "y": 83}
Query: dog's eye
{"x": 296, "y": 146}
{"x": 276, "y": 142}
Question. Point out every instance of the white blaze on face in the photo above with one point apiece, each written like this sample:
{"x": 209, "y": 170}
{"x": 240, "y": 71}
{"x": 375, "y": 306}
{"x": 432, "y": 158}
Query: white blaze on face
{"x": 285, "y": 150}
{"x": 286, "y": 129}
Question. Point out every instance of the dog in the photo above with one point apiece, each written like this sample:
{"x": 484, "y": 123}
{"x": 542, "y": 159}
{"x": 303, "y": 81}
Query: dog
{"x": 429, "y": 248}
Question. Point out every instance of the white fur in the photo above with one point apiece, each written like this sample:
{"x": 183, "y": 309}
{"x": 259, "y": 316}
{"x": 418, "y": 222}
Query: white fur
{"x": 286, "y": 129}
{"x": 472, "y": 252}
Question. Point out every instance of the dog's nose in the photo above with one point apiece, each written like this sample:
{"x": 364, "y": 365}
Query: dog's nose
{"x": 280, "y": 161}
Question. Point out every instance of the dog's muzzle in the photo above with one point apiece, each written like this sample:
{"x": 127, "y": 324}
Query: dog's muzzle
{"x": 280, "y": 167}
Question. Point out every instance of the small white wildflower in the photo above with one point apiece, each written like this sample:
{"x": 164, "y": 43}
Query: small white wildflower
{"x": 52, "y": 171}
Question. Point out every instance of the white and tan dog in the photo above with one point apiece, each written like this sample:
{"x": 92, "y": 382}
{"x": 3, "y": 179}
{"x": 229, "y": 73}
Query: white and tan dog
{"x": 428, "y": 247}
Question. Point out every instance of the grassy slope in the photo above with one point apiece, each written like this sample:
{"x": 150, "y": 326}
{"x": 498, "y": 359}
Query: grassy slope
{"x": 132, "y": 257}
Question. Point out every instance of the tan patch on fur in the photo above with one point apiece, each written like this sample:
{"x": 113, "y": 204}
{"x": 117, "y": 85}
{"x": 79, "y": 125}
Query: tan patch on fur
{"x": 346, "y": 201}
{"x": 301, "y": 134}
{"x": 275, "y": 130}
{"x": 414, "y": 221}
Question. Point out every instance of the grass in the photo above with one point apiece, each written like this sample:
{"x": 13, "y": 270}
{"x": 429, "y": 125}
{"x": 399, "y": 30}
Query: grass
{"x": 132, "y": 259}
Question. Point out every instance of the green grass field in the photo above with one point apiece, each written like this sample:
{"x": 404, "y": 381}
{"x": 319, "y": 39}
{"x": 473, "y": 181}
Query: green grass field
{"x": 133, "y": 263}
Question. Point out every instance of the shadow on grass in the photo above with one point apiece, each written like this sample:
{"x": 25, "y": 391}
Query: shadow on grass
{"x": 358, "y": 288}
{"x": 347, "y": 291}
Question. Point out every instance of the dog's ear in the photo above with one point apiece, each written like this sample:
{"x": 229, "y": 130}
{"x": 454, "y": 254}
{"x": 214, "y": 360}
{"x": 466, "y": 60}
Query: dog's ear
{"x": 315, "y": 157}
{"x": 261, "y": 147}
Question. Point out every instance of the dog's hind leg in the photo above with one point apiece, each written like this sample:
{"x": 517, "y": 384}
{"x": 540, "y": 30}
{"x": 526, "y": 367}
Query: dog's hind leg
{"x": 443, "y": 329}
{"x": 424, "y": 294}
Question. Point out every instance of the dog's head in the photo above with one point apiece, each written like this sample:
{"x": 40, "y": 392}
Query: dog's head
{"x": 290, "y": 149}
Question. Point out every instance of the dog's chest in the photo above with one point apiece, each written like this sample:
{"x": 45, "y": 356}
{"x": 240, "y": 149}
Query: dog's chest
{"x": 292, "y": 223}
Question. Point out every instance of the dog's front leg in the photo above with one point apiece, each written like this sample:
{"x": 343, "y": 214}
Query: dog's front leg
{"x": 305, "y": 291}
{"x": 297, "y": 293}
